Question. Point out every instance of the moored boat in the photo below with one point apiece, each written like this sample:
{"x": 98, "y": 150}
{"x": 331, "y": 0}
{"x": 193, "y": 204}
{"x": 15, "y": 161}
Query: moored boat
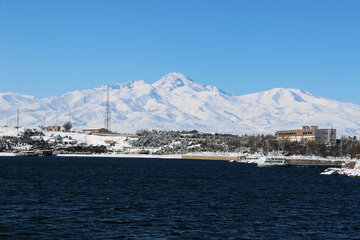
{"x": 46, "y": 153}
{"x": 272, "y": 162}
{"x": 37, "y": 152}
{"x": 25, "y": 153}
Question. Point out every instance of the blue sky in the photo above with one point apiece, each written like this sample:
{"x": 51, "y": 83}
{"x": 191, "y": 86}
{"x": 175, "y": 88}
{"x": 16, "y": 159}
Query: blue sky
{"x": 50, "y": 47}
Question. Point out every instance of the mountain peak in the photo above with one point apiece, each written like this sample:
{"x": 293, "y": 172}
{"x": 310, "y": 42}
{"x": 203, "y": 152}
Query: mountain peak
{"x": 173, "y": 80}
{"x": 176, "y": 102}
{"x": 287, "y": 95}
{"x": 127, "y": 85}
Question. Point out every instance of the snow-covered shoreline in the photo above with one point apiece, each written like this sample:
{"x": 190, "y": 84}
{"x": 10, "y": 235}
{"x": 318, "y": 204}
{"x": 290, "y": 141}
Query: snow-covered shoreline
{"x": 122, "y": 156}
{"x": 342, "y": 171}
{"x": 175, "y": 156}
{"x": 7, "y": 154}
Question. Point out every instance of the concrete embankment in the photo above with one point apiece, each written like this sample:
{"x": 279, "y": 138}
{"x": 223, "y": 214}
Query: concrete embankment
{"x": 290, "y": 160}
{"x": 223, "y": 158}
{"x": 122, "y": 155}
{"x": 314, "y": 162}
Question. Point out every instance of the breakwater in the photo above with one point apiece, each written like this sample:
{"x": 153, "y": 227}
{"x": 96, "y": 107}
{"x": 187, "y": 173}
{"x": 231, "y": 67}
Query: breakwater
{"x": 314, "y": 162}
{"x": 223, "y": 158}
{"x": 292, "y": 160}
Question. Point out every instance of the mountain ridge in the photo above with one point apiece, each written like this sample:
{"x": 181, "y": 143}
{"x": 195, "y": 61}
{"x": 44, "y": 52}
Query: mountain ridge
{"x": 176, "y": 102}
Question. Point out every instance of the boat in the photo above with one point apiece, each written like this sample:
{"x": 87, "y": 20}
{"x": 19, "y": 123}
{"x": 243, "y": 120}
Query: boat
{"x": 25, "y": 153}
{"x": 37, "y": 152}
{"x": 272, "y": 162}
{"x": 44, "y": 153}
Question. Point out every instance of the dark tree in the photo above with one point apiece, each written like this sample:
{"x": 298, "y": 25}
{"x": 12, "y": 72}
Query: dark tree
{"x": 67, "y": 126}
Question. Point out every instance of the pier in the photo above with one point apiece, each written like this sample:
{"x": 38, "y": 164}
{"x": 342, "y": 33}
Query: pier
{"x": 221, "y": 158}
{"x": 314, "y": 162}
{"x": 291, "y": 160}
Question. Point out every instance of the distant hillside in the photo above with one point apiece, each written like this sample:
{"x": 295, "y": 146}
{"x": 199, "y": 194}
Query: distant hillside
{"x": 175, "y": 102}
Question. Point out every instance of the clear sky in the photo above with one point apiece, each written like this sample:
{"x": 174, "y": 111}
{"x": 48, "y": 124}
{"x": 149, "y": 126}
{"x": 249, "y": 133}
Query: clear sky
{"x": 50, "y": 47}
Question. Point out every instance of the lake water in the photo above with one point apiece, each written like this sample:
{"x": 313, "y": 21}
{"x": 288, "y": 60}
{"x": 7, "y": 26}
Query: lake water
{"x": 108, "y": 198}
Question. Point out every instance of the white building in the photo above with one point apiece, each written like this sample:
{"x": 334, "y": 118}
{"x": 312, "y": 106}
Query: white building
{"x": 308, "y": 133}
{"x": 69, "y": 141}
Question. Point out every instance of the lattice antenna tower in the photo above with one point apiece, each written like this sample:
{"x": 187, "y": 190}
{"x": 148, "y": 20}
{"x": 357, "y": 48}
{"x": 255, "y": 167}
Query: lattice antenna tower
{"x": 107, "y": 109}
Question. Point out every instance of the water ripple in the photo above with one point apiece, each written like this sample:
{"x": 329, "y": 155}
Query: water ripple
{"x": 77, "y": 198}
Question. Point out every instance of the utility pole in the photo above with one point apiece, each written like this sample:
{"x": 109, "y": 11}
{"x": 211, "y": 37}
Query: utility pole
{"x": 7, "y": 120}
{"x": 70, "y": 114}
{"x": 341, "y": 146}
{"x": 278, "y": 145}
{"x": 17, "y": 119}
{"x": 331, "y": 136}
{"x": 266, "y": 147}
{"x": 107, "y": 110}
{"x": 56, "y": 118}
{"x": 307, "y": 147}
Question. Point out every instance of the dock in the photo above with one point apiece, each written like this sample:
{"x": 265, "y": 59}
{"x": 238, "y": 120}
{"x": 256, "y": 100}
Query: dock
{"x": 291, "y": 160}
{"x": 221, "y": 158}
{"x": 314, "y": 162}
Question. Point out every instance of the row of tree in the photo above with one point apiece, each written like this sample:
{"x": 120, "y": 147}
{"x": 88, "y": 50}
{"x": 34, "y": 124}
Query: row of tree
{"x": 185, "y": 142}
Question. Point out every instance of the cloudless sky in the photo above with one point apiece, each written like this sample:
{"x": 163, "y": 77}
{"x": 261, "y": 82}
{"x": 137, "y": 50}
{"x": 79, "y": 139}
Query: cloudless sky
{"x": 50, "y": 47}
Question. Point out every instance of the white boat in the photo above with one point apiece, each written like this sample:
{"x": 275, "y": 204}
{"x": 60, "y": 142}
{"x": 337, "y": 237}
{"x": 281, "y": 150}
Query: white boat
{"x": 272, "y": 161}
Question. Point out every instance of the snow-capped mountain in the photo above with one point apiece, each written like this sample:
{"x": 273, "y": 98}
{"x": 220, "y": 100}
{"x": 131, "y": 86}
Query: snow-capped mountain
{"x": 176, "y": 102}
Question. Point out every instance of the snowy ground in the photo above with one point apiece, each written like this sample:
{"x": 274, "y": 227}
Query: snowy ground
{"x": 120, "y": 142}
{"x": 350, "y": 172}
{"x": 6, "y": 154}
{"x": 124, "y": 144}
{"x": 175, "y": 156}
{"x": 10, "y": 131}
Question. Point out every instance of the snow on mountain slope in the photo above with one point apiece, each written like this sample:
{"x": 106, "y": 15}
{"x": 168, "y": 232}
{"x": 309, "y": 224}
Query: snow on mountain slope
{"x": 178, "y": 103}
{"x": 288, "y": 108}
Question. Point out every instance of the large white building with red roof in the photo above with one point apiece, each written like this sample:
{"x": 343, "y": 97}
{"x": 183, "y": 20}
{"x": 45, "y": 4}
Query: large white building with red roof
{"x": 308, "y": 133}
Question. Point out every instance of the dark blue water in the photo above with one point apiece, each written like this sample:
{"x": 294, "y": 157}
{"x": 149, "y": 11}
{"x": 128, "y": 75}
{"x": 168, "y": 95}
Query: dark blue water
{"x": 102, "y": 198}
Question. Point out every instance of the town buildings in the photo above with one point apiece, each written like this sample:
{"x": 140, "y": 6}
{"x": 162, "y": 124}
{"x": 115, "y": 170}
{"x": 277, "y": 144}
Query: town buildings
{"x": 53, "y": 128}
{"x": 97, "y": 131}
